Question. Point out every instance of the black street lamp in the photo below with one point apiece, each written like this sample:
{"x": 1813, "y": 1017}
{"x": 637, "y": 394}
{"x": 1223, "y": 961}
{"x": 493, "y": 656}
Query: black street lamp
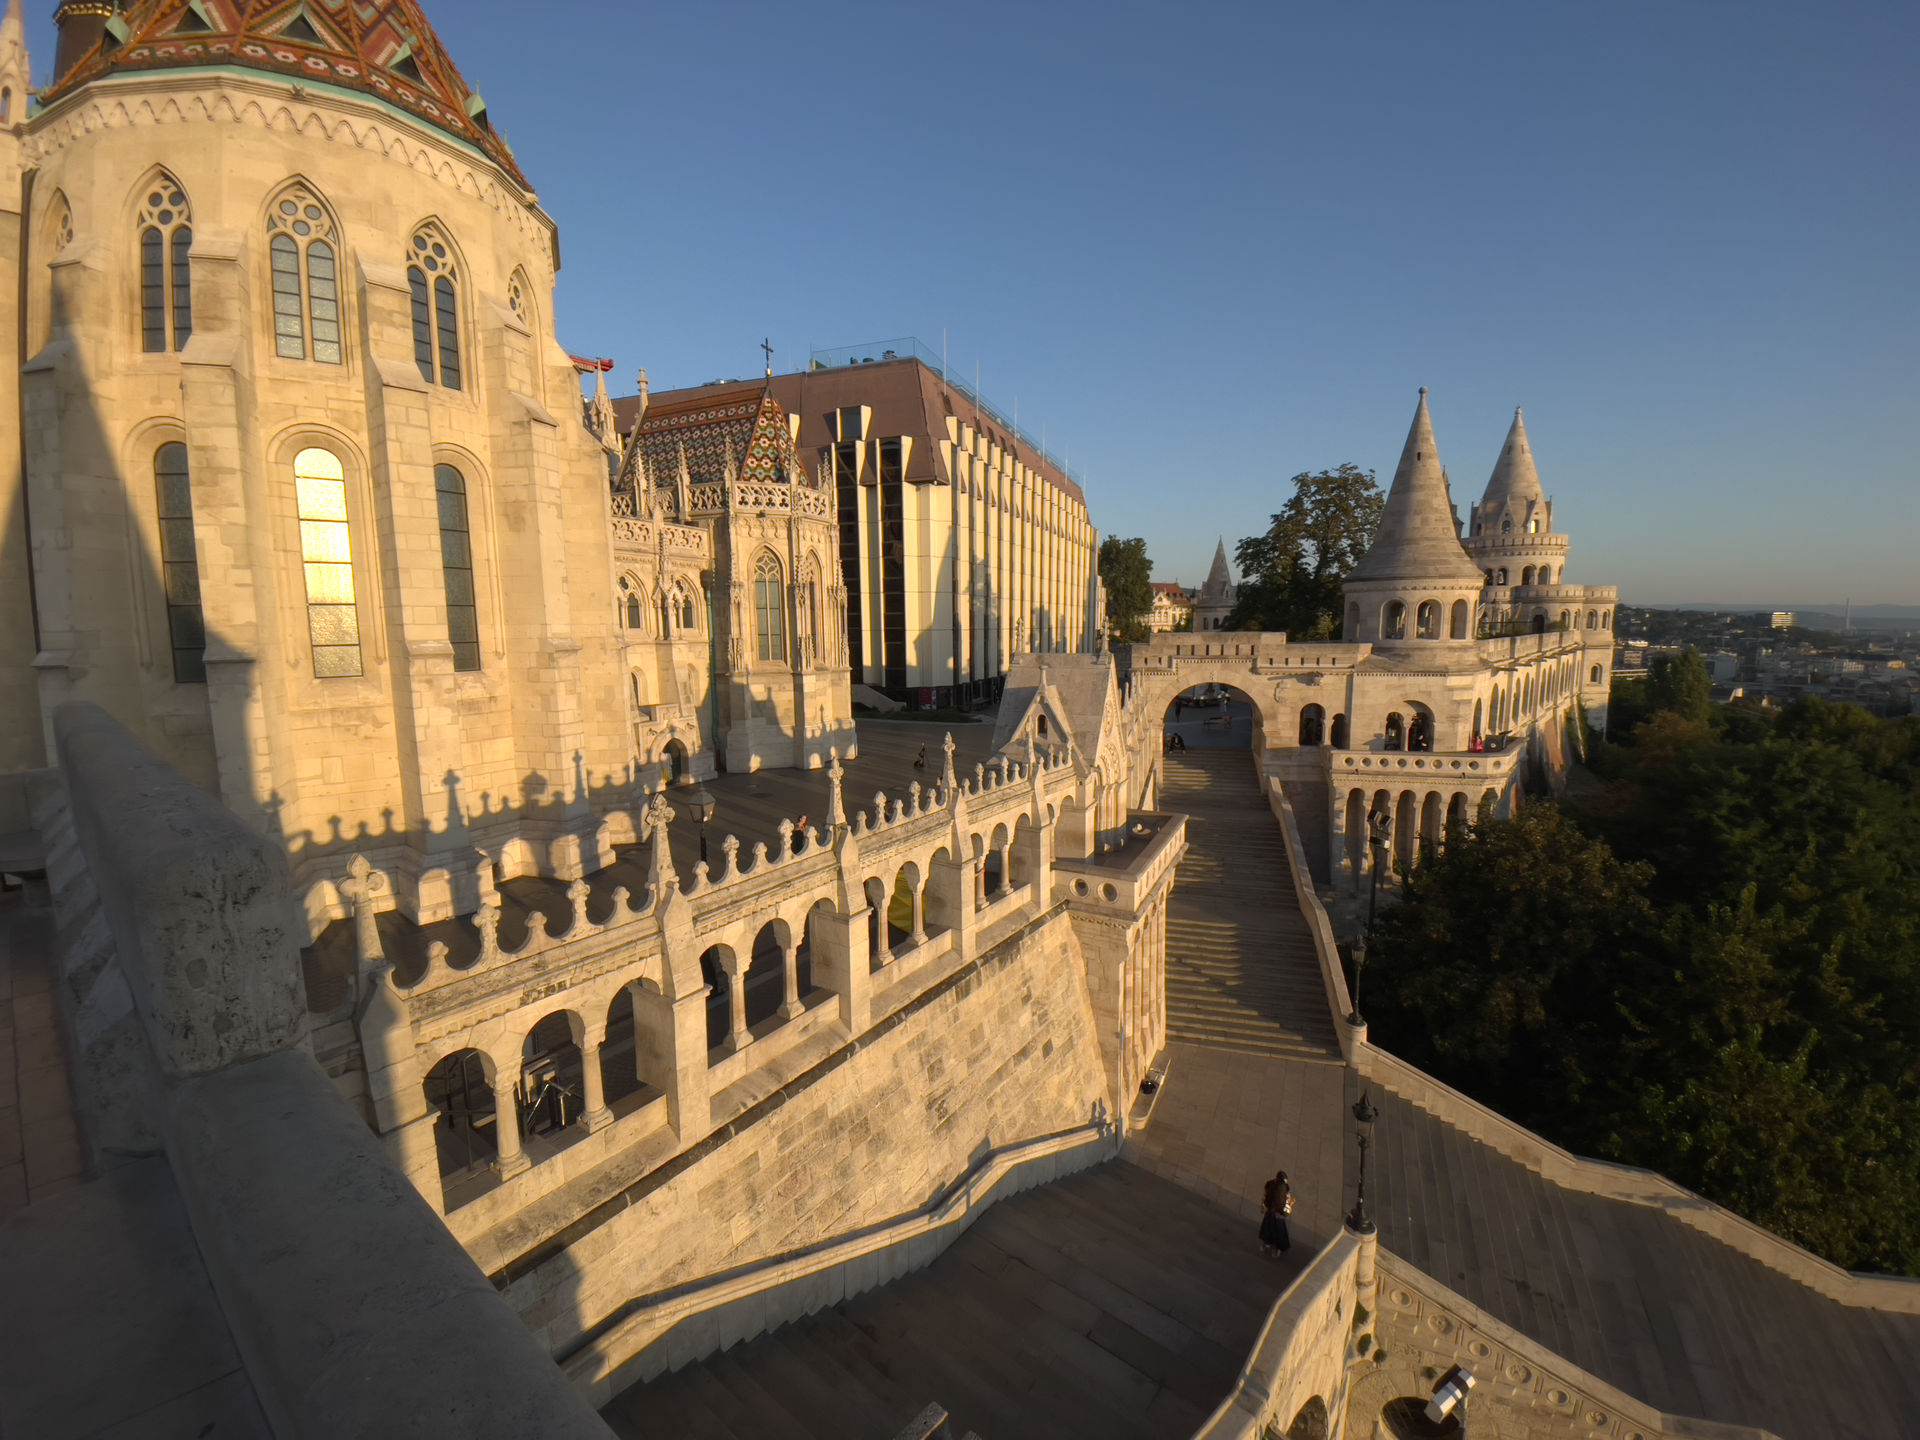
{"x": 1354, "y": 1017}
{"x": 1358, "y": 1220}
{"x": 703, "y": 805}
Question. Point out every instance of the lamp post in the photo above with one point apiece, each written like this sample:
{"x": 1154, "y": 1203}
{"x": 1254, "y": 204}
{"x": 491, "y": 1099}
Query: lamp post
{"x": 703, "y": 805}
{"x": 1358, "y": 1220}
{"x": 1379, "y": 840}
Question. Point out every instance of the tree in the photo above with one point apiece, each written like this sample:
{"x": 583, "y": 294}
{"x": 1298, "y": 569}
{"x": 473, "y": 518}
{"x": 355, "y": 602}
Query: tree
{"x": 1680, "y": 684}
{"x": 1127, "y": 574}
{"x": 1291, "y": 576}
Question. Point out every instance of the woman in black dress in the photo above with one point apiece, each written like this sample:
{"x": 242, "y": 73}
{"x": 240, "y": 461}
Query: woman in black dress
{"x": 1277, "y": 1203}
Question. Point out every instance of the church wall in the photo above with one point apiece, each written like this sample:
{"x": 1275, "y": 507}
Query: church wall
{"x": 22, "y": 746}
{"x": 1008, "y": 1053}
{"x": 294, "y": 751}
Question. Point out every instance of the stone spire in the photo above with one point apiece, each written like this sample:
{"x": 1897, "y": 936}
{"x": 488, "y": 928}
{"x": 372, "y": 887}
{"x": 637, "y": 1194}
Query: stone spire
{"x": 14, "y": 69}
{"x": 1219, "y": 577}
{"x": 1418, "y": 538}
{"x": 1514, "y": 477}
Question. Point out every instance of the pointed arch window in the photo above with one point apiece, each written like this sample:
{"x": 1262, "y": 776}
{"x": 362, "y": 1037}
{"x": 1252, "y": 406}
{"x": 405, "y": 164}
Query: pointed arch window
{"x": 431, "y": 277}
{"x": 769, "y": 610}
{"x": 326, "y": 553}
{"x": 456, "y": 564}
{"x": 166, "y": 275}
{"x": 305, "y": 268}
{"x": 179, "y": 564}
{"x": 1458, "y": 630}
{"x": 1427, "y": 620}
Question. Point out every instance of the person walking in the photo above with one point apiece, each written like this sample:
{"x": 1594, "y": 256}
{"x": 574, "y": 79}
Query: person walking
{"x": 920, "y": 763}
{"x": 1276, "y": 1204}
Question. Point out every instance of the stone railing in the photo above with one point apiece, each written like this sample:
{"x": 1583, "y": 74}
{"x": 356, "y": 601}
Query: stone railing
{"x": 710, "y": 497}
{"x": 1424, "y": 1328}
{"x": 657, "y": 1333}
{"x": 329, "y": 1267}
{"x": 921, "y": 819}
{"x": 1333, "y": 979}
{"x": 1300, "y": 1356}
{"x": 631, "y": 534}
{"x": 1465, "y": 765}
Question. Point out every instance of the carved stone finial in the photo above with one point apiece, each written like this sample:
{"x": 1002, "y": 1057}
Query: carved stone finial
{"x": 486, "y": 920}
{"x": 786, "y": 838}
{"x": 362, "y": 890}
{"x": 913, "y": 790}
{"x": 879, "y": 808}
{"x": 730, "y": 847}
{"x": 947, "y": 778}
{"x": 836, "y": 807}
{"x": 658, "y": 816}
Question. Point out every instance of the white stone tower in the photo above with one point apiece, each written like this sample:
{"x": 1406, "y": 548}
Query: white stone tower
{"x": 1512, "y": 535}
{"x": 1415, "y": 586}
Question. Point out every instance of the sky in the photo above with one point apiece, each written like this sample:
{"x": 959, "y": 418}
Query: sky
{"x": 1209, "y": 246}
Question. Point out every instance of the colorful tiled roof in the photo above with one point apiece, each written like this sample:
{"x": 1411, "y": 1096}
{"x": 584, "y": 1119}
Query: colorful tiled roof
{"x": 383, "y": 48}
{"x": 714, "y": 427}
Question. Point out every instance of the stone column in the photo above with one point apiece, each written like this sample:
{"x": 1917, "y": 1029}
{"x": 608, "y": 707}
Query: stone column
{"x": 790, "y": 1006}
{"x": 951, "y": 899}
{"x": 395, "y": 1087}
{"x": 843, "y": 963}
{"x": 919, "y": 927}
{"x": 597, "y": 1116}
{"x": 512, "y": 1160}
{"x": 736, "y": 970}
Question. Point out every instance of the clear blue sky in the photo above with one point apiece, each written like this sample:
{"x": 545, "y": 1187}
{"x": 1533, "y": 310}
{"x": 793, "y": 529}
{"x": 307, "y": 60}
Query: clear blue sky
{"x": 1209, "y": 245}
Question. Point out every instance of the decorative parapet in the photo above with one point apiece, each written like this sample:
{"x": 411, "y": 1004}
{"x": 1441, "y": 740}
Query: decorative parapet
{"x": 1464, "y": 766}
{"x": 1522, "y": 1389}
{"x": 1300, "y": 1355}
{"x": 712, "y": 497}
{"x": 723, "y": 893}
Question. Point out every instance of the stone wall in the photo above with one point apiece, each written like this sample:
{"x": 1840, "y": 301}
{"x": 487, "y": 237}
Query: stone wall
{"x": 1002, "y": 1052}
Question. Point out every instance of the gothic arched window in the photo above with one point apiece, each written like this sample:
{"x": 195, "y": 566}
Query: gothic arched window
{"x": 627, "y": 607}
{"x": 306, "y": 279}
{"x": 769, "y": 609}
{"x": 456, "y": 564}
{"x": 1506, "y": 527}
{"x": 326, "y": 550}
{"x": 1393, "y": 621}
{"x": 166, "y": 275}
{"x": 1427, "y": 620}
{"x": 431, "y": 276}
{"x": 179, "y": 564}
{"x": 1458, "y": 629}
{"x": 1395, "y": 731}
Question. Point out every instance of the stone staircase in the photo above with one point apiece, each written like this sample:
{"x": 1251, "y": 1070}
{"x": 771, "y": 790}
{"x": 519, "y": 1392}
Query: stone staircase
{"x": 1241, "y": 970}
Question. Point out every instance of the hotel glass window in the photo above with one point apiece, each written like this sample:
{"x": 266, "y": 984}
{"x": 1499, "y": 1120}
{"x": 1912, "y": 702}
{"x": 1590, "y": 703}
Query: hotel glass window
{"x": 326, "y": 553}
{"x": 456, "y": 563}
{"x": 179, "y": 564}
{"x": 769, "y": 616}
{"x": 305, "y": 270}
{"x": 166, "y": 274}
{"x": 431, "y": 277}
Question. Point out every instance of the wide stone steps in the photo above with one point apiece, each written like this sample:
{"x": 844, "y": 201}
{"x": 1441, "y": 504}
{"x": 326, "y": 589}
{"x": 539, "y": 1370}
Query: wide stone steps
{"x": 1242, "y": 974}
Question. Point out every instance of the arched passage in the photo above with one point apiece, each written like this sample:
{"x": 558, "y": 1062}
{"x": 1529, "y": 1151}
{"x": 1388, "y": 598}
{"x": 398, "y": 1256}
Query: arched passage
{"x": 460, "y": 1089}
{"x": 552, "y": 1075}
{"x": 1213, "y": 716}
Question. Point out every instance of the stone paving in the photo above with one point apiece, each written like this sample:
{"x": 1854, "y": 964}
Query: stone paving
{"x": 110, "y": 1326}
{"x": 1111, "y": 1305}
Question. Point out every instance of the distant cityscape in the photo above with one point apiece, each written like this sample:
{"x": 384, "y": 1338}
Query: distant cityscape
{"x": 1868, "y": 657}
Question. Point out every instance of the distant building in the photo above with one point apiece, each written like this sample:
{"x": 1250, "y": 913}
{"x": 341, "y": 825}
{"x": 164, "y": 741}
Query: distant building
{"x": 1172, "y": 607}
{"x": 1781, "y": 620}
{"x": 961, "y": 544}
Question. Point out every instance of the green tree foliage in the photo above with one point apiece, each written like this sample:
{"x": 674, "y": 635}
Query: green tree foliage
{"x": 1291, "y": 576}
{"x": 1712, "y": 969}
{"x": 1127, "y": 574}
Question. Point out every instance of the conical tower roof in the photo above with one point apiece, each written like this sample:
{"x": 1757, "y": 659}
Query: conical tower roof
{"x": 1514, "y": 477}
{"x": 1417, "y": 538}
{"x": 382, "y": 48}
{"x": 1219, "y": 577}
